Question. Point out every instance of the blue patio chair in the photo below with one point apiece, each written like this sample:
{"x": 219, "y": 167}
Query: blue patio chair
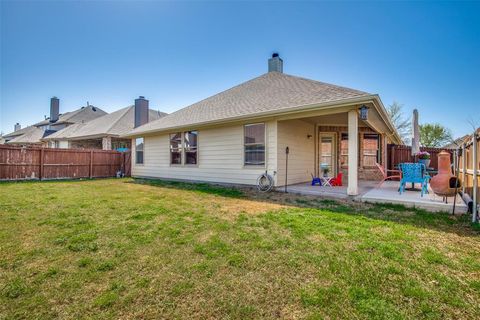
{"x": 413, "y": 173}
{"x": 316, "y": 180}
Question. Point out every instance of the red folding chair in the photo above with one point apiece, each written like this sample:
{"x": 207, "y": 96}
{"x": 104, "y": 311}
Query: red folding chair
{"x": 337, "y": 181}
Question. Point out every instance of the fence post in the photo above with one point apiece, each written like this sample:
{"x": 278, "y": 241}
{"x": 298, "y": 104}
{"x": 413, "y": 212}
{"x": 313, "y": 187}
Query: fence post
{"x": 42, "y": 156}
{"x": 90, "y": 171}
{"x": 475, "y": 177}
{"x": 464, "y": 167}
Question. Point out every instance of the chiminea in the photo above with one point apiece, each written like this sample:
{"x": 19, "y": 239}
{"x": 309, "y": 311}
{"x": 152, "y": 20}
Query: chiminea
{"x": 444, "y": 183}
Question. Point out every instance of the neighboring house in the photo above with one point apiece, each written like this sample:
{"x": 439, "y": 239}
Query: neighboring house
{"x": 34, "y": 134}
{"x": 238, "y": 134}
{"x": 104, "y": 132}
{"x": 456, "y": 143}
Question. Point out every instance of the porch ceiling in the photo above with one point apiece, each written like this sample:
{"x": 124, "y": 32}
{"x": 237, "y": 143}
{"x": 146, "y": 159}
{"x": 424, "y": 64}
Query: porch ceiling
{"x": 338, "y": 119}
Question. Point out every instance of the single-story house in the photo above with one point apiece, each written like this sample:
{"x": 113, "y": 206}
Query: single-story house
{"x": 243, "y": 132}
{"x": 104, "y": 132}
{"x": 34, "y": 134}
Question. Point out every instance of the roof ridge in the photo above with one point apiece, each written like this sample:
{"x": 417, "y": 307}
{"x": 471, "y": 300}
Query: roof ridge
{"x": 118, "y": 119}
{"x": 324, "y": 83}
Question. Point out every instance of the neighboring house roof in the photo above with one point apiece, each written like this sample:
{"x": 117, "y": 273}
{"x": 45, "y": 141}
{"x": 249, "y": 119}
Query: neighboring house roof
{"x": 270, "y": 92}
{"x": 458, "y": 142}
{"x": 31, "y": 135}
{"x": 114, "y": 124}
{"x": 82, "y": 114}
{"x": 17, "y": 133}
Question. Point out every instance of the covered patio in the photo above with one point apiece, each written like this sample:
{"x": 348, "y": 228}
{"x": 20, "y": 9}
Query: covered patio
{"x": 344, "y": 143}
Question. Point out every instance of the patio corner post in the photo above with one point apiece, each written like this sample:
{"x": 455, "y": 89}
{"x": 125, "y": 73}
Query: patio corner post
{"x": 352, "y": 189}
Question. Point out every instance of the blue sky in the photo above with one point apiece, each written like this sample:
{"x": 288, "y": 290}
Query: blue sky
{"x": 421, "y": 54}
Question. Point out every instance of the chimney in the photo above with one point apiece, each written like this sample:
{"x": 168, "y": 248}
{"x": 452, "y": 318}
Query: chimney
{"x": 275, "y": 63}
{"x": 141, "y": 111}
{"x": 17, "y": 127}
{"x": 54, "y": 109}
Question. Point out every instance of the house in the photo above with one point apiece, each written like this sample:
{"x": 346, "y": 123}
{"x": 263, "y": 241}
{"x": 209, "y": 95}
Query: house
{"x": 243, "y": 132}
{"x": 104, "y": 132}
{"x": 34, "y": 134}
{"x": 455, "y": 144}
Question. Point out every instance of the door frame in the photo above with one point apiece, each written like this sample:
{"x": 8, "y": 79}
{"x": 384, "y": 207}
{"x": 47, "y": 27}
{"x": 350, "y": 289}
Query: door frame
{"x": 333, "y": 135}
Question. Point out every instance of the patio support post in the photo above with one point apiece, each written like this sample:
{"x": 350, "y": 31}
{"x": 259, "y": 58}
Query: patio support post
{"x": 352, "y": 189}
{"x": 106, "y": 143}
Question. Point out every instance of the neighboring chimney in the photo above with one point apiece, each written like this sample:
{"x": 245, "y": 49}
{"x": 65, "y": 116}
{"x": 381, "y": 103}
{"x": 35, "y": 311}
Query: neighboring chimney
{"x": 275, "y": 63}
{"x": 54, "y": 109}
{"x": 17, "y": 127}
{"x": 141, "y": 111}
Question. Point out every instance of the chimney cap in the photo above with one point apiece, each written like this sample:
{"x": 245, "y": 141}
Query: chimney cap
{"x": 275, "y": 55}
{"x": 141, "y": 97}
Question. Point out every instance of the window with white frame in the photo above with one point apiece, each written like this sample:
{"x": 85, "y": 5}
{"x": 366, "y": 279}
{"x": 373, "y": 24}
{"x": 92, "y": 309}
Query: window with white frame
{"x": 254, "y": 144}
{"x": 176, "y": 148}
{"x": 139, "y": 146}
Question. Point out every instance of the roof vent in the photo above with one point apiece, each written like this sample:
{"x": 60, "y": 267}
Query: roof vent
{"x": 17, "y": 127}
{"x": 275, "y": 63}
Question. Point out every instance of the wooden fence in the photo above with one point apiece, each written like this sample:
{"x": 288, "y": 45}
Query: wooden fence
{"x": 469, "y": 163}
{"x": 20, "y": 163}
{"x": 397, "y": 154}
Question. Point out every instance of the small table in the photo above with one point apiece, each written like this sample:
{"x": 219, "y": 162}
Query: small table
{"x": 326, "y": 181}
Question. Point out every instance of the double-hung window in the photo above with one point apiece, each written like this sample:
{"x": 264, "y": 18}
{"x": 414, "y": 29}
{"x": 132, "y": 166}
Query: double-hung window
{"x": 176, "y": 148}
{"x": 139, "y": 145}
{"x": 254, "y": 144}
{"x": 371, "y": 149}
{"x": 191, "y": 144}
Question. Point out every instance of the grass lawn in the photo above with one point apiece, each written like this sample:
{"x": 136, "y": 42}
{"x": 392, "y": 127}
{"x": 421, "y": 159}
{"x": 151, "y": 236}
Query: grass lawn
{"x": 136, "y": 249}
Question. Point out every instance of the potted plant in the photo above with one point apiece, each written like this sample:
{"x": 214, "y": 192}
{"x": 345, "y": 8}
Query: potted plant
{"x": 325, "y": 169}
{"x": 424, "y": 157}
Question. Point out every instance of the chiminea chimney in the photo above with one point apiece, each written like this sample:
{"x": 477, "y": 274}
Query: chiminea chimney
{"x": 275, "y": 63}
{"x": 54, "y": 109}
{"x": 141, "y": 111}
{"x": 17, "y": 127}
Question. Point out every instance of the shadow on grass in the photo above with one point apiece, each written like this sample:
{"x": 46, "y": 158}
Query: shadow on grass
{"x": 397, "y": 213}
{"x": 224, "y": 191}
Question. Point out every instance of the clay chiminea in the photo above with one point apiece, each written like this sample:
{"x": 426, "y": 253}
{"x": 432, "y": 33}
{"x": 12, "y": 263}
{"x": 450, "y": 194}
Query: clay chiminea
{"x": 444, "y": 183}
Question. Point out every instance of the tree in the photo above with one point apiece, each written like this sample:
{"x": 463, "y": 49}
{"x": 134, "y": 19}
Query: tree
{"x": 402, "y": 124}
{"x": 434, "y": 135}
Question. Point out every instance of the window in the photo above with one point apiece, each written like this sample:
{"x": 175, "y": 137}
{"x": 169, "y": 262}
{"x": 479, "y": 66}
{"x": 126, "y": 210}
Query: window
{"x": 344, "y": 150}
{"x": 191, "y": 143}
{"x": 139, "y": 144}
{"x": 176, "y": 148}
{"x": 254, "y": 141}
{"x": 371, "y": 149}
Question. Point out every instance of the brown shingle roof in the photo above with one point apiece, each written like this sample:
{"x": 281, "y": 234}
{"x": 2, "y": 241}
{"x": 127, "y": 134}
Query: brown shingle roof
{"x": 269, "y": 92}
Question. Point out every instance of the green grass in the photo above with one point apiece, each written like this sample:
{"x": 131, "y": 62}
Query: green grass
{"x": 108, "y": 249}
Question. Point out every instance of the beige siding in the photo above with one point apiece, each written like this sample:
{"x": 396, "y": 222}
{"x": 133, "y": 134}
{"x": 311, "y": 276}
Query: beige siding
{"x": 301, "y": 159}
{"x": 220, "y": 157}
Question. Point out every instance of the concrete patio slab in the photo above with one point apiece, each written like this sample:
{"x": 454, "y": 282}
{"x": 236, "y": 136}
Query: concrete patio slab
{"x": 388, "y": 193}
